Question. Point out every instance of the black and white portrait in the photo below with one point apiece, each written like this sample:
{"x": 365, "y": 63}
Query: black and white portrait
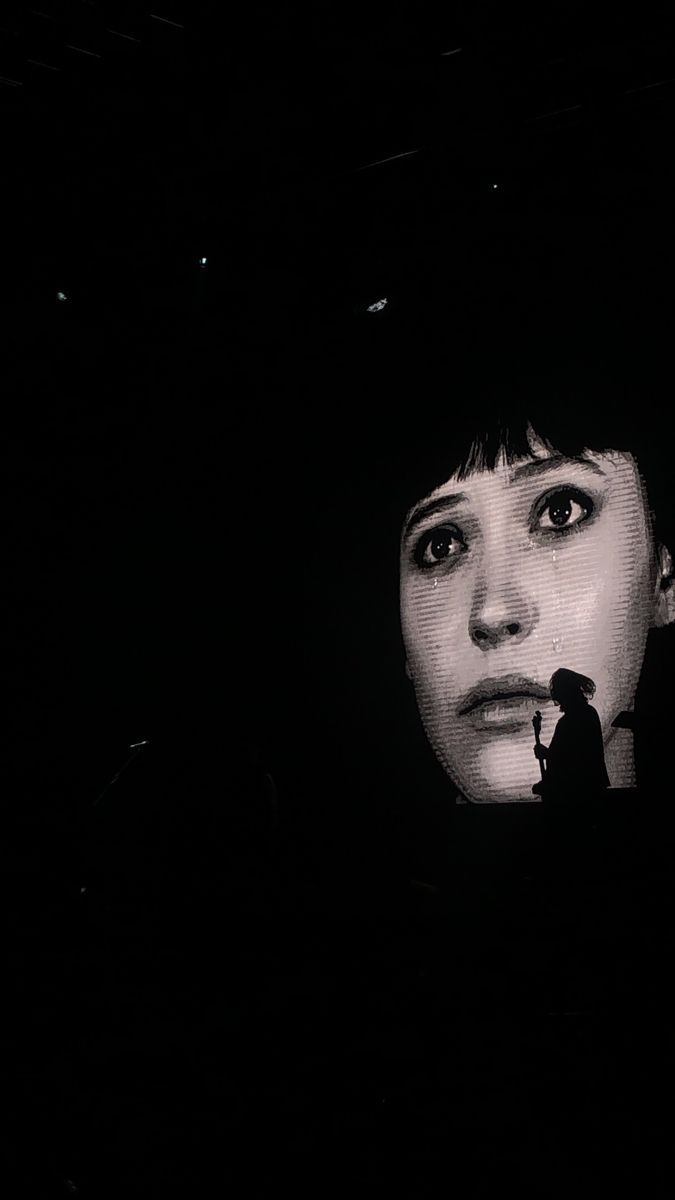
{"x": 519, "y": 452}
{"x": 538, "y": 551}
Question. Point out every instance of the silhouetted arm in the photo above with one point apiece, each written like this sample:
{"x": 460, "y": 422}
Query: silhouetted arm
{"x": 555, "y": 752}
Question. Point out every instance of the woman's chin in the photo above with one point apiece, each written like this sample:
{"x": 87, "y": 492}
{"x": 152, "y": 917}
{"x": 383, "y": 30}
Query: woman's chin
{"x": 498, "y": 775}
{"x": 501, "y": 797}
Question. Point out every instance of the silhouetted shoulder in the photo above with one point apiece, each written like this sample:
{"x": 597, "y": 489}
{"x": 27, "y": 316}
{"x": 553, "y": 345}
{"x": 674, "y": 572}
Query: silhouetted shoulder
{"x": 593, "y": 717}
{"x": 584, "y": 714}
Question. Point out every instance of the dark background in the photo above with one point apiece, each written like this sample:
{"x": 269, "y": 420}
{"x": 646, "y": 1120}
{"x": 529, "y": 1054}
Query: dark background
{"x": 184, "y": 452}
{"x": 169, "y": 426}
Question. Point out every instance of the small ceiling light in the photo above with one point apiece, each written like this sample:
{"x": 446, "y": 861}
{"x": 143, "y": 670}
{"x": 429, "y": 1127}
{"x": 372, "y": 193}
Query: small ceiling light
{"x": 61, "y": 296}
{"x": 202, "y": 262}
{"x": 495, "y": 186}
{"x": 378, "y": 305}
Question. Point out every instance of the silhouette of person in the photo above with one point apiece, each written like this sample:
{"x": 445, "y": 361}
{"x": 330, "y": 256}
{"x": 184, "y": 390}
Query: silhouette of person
{"x": 575, "y": 758}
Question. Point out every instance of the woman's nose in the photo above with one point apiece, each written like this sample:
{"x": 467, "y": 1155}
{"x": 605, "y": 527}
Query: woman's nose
{"x": 492, "y": 633}
{"x": 501, "y": 612}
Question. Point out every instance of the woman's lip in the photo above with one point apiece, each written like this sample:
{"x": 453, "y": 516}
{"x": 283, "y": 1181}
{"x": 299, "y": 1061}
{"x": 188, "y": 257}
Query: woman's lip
{"x": 504, "y": 714}
{"x": 498, "y": 687}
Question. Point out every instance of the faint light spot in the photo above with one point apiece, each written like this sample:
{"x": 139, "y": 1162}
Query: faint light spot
{"x": 61, "y": 296}
{"x": 79, "y": 50}
{"x": 645, "y": 87}
{"x": 127, "y": 37}
{"x": 202, "y": 262}
{"x": 495, "y": 186}
{"x": 35, "y": 62}
{"x": 165, "y": 21}
{"x": 556, "y": 112}
{"x": 447, "y": 53}
{"x": 381, "y": 161}
{"x": 378, "y": 305}
{"x": 82, "y": 891}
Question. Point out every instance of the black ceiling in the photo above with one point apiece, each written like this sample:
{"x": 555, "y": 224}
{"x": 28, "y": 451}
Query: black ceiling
{"x": 319, "y": 156}
{"x": 157, "y": 120}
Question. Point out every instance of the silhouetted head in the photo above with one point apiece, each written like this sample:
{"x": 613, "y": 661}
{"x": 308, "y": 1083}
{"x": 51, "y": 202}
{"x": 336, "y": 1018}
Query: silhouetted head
{"x": 569, "y": 689}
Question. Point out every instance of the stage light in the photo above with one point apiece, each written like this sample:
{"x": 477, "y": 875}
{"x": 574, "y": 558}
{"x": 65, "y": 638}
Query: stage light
{"x": 202, "y": 262}
{"x": 378, "y": 305}
{"x": 61, "y": 296}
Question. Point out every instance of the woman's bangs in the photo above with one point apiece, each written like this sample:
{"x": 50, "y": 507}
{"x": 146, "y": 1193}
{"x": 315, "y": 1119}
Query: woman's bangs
{"x": 510, "y": 443}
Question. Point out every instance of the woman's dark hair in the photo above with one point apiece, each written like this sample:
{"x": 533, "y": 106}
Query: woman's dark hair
{"x": 419, "y": 401}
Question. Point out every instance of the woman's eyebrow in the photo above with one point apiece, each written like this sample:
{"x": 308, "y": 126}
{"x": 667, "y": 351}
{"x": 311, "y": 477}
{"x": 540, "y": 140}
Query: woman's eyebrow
{"x": 542, "y": 465}
{"x": 441, "y": 504}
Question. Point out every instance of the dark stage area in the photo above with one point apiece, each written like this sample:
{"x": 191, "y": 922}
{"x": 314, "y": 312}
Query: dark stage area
{"x": 213, "y": 1007}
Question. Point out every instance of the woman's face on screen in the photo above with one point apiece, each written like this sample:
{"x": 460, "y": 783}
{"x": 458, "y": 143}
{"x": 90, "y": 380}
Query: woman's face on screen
{"x": 508, "y": 575}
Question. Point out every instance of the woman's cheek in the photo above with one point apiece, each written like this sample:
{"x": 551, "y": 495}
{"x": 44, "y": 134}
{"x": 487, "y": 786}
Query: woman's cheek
{"x": 432, "y": 633}
{"x": 601, "y": 629}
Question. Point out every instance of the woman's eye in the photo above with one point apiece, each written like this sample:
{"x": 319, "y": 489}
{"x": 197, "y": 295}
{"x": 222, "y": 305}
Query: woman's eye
{"x": 564, "y": 510}
{"x": 437, "y": 545}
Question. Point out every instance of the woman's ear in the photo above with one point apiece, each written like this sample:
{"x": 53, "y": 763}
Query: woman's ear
{"x": 664, "y": 596}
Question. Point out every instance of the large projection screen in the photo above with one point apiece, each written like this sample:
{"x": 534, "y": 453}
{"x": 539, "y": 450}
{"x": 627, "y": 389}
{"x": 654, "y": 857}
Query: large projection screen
{"x": 469, "y": 479}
